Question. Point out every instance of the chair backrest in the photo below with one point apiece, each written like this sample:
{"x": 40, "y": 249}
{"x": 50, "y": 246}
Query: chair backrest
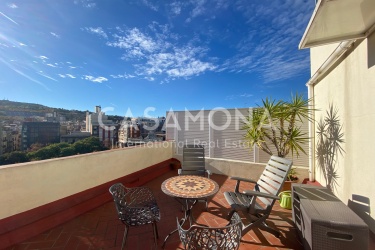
{"x": 193, "y": 160}
{"x": 273, "y": 177}
{"x": 119, "y": 193}
{"x": 200, "y": 237}
{"x": 135, "y": 206}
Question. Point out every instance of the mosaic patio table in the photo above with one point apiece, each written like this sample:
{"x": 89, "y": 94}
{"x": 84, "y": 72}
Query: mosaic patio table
{"x": 186, "y": 189}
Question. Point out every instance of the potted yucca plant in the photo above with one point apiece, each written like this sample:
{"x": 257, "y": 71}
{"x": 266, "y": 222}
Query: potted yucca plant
{"x": 273, "y": 127}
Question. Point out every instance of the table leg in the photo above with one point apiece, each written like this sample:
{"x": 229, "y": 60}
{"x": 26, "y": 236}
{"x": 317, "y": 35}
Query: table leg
{"x": 188, "y": 215}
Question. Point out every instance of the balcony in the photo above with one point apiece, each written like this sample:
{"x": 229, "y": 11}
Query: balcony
{"x": 65, "y": 204}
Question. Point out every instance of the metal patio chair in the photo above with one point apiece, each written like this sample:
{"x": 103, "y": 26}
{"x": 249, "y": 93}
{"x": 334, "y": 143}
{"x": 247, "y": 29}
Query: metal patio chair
{"x": 135, "y": 207}
{"x": 257, "y": 204}
{"x": 216, "y": 238}
{"x": 193, "y": 163}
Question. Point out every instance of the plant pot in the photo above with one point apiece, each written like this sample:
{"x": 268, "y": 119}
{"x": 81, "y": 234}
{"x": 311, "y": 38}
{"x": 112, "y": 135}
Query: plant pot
{"x": 288, "y": 185}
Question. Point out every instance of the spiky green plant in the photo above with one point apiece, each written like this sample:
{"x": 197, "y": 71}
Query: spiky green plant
{"x": 276, "y": 123}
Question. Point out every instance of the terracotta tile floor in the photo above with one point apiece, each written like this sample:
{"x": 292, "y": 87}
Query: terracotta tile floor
{"x": 100, "y": 228}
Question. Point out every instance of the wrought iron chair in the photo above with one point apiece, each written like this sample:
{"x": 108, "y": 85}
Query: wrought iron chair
{"x": 266, "y": 190}
{"x": 200, "y": 237}
{"x": 135, "y": 207}
{"x": 193, "y": 163}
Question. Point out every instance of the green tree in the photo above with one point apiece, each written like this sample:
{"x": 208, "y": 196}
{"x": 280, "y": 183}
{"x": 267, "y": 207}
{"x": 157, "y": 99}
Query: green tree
{"x": 42, "y": 154}
{"x": 275, "y": 123}
{"x": 48, "y": 152}
{"x": 88, "y": 145}
{"x": 13, "y": 157}
{"x": 67, "y": 151}
{"x": 55, "y": 150}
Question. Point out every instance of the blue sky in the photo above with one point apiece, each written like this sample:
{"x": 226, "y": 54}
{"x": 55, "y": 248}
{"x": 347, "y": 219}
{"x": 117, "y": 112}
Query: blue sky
{"x": 130, "y": 55}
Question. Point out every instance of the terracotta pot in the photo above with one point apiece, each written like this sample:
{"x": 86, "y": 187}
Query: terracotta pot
{"x": 288, "y": 185}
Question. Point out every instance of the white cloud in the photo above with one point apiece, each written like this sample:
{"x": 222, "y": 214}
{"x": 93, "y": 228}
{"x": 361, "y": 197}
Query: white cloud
{"x": 51, "y": 65}
{"x": 150, "y": 5}
{"x": 244, "y": 95}
{"x": 98, "y": 31}
{"x": 55, "y": 35}
{"x": 99, "y": 79}
{"x": 189, "y": 67}
{"x": 160, "y": 54}
{"x": 22, "y": 44}
{"x": 135, "y": 43}
{"x": 43, "y": 57}
{"x": 12, "y": 5}
{"x": 126, "y": 76}
{"x": 149, "y": 78}
{"x": 72, "y": 67}
{"x": 199, "y": 8}
{"x": 176, "y": 8}
{"x": 180, "y": 62}
{"x": 70, "y": 76}
{"x": 66, "y": 75}
{"x": 85, "y": 3}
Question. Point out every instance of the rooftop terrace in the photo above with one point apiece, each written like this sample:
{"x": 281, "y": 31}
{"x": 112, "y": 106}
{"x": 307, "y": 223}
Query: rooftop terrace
{"x": 64, "y": 203}
{"x": 101, "y": 229}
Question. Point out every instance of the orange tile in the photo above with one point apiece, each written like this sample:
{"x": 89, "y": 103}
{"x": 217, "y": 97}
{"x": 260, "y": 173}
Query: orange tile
{"x": 101, "y": 229}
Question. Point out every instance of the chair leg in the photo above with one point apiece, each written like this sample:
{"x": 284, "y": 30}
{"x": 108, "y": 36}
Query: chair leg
{"x": 156, "y": 236}
{"x": 156, "y": 230}
{"x": 124, "y": 238}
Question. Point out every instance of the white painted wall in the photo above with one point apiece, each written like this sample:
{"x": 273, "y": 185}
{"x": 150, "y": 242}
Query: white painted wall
{"x": 319, "y": 55}
{"x": 350, "y": 87}
{"x": 29, "y": 185}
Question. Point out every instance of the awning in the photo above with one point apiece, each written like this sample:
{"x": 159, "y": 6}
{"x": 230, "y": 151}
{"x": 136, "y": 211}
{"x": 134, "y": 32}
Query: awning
{"x": 339, "y": 20}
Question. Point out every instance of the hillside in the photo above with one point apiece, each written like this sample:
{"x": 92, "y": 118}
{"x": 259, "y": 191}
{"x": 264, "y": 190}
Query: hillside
{"x": 10, "y": 110}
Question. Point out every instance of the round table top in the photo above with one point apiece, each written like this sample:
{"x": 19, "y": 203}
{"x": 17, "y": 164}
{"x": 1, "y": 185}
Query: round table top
{"x": 189, "y": 186}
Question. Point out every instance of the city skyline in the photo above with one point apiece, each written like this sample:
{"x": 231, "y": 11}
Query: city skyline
{"x": 138, "y": 54}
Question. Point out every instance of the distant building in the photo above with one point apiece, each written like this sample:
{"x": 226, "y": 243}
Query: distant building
{"x": 128, "y": 131}
{"x": 54, "y": 117}
{"x": 134, "y": 131}
{"x": 16, "y": 141}
{"x": 74, "y": 136}
{"x": 10, "y": 139}
{"x": 63, "y": 129}
{"x": 147, "y": 125}
{"x": 39, "y": 132}
{"x": 97, "y": 124}
{"x": 71, "y": 126}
